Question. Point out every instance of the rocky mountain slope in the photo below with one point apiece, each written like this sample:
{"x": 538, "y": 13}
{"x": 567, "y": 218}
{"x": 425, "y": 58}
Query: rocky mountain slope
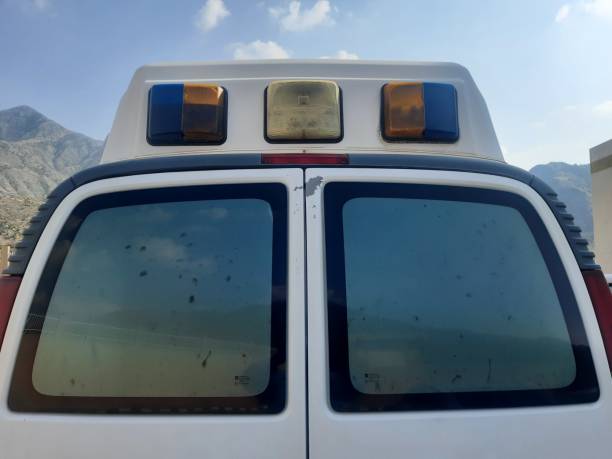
{"x": 36, "y": 153}
{"x": 572, "y": 182}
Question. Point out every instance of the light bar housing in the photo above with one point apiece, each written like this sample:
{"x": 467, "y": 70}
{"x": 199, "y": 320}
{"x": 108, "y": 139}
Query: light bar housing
{"x": 419, "y": 112}
{"x": 187, "y": 114}
{"x": 303, "y": 111}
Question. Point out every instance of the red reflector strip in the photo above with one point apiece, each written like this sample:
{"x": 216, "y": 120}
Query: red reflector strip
{"x": 8, "y": 291}
{"x": 304, "y": 158}
{"x": 602, "y": 304}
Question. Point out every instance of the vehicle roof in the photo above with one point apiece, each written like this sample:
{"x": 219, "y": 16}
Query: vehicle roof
{"x": 360, "y": 82}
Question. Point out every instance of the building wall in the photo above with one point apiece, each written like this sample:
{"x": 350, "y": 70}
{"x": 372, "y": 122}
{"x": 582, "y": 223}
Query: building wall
{"x": 601, "y": 172}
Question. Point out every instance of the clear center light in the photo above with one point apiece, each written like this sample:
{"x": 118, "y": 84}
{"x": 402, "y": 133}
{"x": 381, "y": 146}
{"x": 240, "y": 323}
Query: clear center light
{"x": 299, "y": 110}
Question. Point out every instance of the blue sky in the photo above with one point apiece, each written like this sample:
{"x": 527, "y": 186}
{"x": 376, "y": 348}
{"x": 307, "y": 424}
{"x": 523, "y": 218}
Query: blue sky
{"x": 544, "y": 67}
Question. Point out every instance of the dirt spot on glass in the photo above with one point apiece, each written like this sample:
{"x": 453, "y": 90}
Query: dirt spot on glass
{"x": 128, "y": 247}
{"x": 228, "y": 278}
{"x": 455, "y": 379}
{"x": 143, "y": 248}
{"x": 191, "y": 298}
{"x": 205, "y": 361}
{"x": 143, "y": 273}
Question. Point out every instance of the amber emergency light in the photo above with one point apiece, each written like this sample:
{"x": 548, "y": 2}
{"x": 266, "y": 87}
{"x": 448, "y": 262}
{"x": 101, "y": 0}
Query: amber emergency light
{"x": 422, "y": 112}
{"x": 303, "y": 111}
{"x": 187, "y": 114}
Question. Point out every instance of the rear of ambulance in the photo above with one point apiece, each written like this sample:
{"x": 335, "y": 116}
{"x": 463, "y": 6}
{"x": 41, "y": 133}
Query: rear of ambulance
{"x": 304, "y": 259}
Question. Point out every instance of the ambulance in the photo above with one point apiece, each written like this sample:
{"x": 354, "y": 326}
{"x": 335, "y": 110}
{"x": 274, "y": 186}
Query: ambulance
{"x": 304, "y": 259}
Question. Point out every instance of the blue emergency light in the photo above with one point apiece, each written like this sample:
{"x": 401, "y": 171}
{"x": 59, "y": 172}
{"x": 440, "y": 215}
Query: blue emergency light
{"x": 421, "y": 112}
{"x": 187, "y": 114}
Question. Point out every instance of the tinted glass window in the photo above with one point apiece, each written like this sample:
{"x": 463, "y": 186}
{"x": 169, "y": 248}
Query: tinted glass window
{"x": 443, "y": 295}
{"x": 163, "y": 300}
{"x": 457, "y": 276}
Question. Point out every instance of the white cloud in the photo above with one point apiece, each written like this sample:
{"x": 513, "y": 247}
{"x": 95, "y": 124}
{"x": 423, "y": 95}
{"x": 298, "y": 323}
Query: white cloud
{"x": 342, "y": 54}
{"x": 41, "y": 4}
{"x": 211, "y": 14}
{"x": 276, "y": 12}
{"x": 37, "y": 6}
{"x": 215, "y": 213}
{"x": 563, "y": 13}
{"x": 295, "y": 19}
{"x": 597, "y": 8}
{"x": 166, "y": 249}
{"x": 604, "y": 109}
{"x": 260, "y": 50}
{"x": 600, "y": 8}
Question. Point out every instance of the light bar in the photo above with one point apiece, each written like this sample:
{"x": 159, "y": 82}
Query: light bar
{"x": 422, "y": 112}
{"x": 187, "y": 114}
{"x": 303, "y": 111}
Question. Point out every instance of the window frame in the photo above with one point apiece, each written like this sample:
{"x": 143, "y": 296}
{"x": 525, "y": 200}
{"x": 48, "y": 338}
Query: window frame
{"x": 23, "y": 397}
{"x": 344, "y": 397}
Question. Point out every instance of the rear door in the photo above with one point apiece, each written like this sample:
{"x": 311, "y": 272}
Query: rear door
{"x": 447, "y": 318}
{"x": 162, "y": 316}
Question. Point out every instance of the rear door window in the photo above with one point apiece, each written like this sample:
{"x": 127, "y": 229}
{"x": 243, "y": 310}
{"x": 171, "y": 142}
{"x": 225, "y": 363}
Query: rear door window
{"x": 442, "y": 297}
{"x": 159, "y": 301}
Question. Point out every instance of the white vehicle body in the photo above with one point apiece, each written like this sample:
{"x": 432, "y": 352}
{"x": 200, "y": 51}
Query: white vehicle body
{"x": 246, "y": 82}
{"x": 309, "y": 422}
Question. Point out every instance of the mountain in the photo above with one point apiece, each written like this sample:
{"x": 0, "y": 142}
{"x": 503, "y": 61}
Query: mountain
{"x": 36, "y": 154}
{"x": 572, "y": 182}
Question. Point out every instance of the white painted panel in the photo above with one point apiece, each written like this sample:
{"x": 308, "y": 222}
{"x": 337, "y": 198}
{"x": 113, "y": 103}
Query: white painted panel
{"x": 533, "y": 432}
{"x": 52, "y": 436}
{"x": 360, "y": 82}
